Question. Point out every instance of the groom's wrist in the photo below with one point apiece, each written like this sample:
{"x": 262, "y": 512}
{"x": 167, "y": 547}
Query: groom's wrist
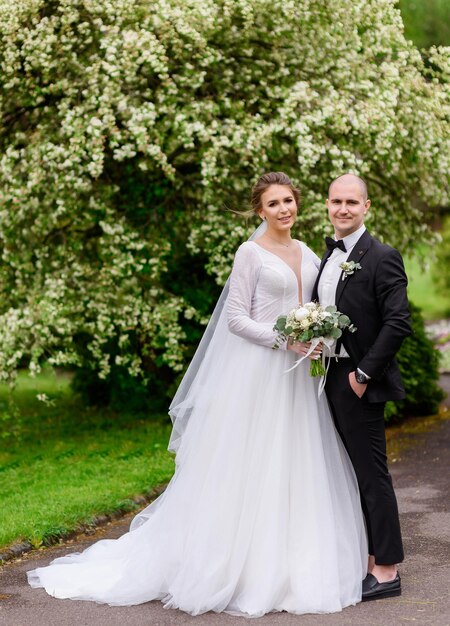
{"x": 361, "y": 377}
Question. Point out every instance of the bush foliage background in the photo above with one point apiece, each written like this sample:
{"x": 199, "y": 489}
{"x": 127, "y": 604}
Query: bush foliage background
{"x": 419, "y": 362}
{"x": 128, "y": 127}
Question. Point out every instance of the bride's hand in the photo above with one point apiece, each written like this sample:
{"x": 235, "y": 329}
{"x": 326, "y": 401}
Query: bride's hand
{"x": 303, "y": 348}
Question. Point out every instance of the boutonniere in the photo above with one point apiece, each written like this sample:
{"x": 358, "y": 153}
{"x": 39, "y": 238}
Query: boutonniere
{"x": 349, "y": 268}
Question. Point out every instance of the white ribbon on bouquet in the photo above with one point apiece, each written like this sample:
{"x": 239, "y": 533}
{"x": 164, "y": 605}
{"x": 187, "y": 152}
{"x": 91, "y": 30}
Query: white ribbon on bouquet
{"x": 328, "y": 343}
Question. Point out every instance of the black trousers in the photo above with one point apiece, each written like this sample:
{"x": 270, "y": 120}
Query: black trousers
{"x": 361, "y": 427}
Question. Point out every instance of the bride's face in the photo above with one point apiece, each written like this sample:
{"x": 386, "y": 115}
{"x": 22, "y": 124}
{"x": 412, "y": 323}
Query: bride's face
{"x": 278, "y": 207}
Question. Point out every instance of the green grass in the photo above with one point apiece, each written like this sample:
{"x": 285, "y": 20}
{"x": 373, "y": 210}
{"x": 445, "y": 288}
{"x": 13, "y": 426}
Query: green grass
{"x": 65, "y": 464}
{"x": 445, "y": 361}
{"x": 435, "y": 303}
{"x": 427, "y": 22}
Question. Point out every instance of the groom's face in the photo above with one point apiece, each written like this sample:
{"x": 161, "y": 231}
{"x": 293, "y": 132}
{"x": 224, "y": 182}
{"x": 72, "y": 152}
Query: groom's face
{"x": 347, "y": 206}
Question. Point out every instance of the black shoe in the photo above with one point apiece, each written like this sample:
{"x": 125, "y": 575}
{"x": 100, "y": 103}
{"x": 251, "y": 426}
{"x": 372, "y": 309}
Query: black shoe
{"x": 372, "y": 589}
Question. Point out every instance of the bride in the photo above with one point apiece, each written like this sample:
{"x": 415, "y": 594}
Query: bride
{"x": 263, "y": 512}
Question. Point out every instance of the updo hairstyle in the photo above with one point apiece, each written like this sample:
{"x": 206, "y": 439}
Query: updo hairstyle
{"x": 262, "y": 185}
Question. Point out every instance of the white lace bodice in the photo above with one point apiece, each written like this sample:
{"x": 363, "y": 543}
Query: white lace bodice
{"x": 262, "y": 287}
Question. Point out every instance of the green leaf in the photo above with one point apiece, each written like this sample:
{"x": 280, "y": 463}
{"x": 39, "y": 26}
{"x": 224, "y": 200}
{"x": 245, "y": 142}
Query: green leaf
{"x": 280, "y": 324}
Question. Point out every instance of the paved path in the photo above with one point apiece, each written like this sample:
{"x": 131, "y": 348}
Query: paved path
{"x": 420, "y": 463}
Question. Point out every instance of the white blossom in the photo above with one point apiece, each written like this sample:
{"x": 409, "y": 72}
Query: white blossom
{"x": 128, "y": 127}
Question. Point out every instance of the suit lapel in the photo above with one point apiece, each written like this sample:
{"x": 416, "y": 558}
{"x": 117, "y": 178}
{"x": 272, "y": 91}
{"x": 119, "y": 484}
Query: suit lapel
{"x": 359, "y": 250}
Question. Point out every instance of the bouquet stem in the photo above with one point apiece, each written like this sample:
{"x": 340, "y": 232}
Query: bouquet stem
{"x": 316, "y": 368}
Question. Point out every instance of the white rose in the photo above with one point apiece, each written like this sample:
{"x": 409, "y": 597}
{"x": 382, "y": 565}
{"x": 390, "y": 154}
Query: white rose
{"x": 301, "y": 313}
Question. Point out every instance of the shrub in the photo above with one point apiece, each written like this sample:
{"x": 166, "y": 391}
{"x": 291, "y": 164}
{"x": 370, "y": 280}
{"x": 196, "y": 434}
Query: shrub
{"x": 418, "y": 361}
{"x": 126, "y": 127}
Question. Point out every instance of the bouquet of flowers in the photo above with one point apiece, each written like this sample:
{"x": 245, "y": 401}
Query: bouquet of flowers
{"x": 315, "y": 323}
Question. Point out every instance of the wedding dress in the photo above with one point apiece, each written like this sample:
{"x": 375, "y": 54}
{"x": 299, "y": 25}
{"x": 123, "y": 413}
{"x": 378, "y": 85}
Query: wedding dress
{"x": 263, "y": 511}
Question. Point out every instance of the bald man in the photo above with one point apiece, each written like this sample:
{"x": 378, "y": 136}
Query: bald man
{"x": 363, "y": 373}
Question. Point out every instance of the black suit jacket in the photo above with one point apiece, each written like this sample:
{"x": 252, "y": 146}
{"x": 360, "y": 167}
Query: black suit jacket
{"x": 375, "y": 300}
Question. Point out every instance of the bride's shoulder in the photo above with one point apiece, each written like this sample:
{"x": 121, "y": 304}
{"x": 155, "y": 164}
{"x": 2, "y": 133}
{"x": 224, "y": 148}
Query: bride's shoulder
{"x": 309, "y": 254}
{"x": 248, "y": 253}
{"x": 248, "y": 248}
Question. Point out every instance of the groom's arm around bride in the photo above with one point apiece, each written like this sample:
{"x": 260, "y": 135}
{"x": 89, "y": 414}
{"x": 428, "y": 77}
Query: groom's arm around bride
{"x": 366, "y": 280}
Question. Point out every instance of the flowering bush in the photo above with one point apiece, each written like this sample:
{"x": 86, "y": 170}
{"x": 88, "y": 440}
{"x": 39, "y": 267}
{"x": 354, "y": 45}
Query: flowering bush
{"x": 127, "y": 127}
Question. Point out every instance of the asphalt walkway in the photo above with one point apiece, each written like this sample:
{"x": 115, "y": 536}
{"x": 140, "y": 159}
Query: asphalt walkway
{"x": 420, "y": 465}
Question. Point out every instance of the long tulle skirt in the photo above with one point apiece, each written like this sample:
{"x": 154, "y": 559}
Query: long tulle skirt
{"x": 263, "y": 512}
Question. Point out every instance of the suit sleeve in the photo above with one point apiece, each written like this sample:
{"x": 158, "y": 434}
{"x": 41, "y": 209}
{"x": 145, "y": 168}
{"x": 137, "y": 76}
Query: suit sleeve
{"x": 390, "y": 291}
{"x": 243, "y": 280}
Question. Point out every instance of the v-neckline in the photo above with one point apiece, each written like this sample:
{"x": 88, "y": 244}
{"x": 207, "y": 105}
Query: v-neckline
{"x": 299, "y": 282}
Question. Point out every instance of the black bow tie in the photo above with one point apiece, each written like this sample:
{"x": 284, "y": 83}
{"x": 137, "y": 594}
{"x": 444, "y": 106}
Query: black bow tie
{"x": 332, "y": 244}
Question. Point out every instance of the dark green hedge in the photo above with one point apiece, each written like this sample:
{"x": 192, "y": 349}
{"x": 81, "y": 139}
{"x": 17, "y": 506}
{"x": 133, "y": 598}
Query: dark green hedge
{"x": 419, "y": 361}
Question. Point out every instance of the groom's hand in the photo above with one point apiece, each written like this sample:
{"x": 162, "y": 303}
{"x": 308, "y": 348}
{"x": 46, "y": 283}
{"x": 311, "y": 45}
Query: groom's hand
{"x": 358, "y": 388}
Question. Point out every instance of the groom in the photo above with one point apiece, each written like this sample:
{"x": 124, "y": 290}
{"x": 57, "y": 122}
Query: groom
{"x": 371, "y": 290}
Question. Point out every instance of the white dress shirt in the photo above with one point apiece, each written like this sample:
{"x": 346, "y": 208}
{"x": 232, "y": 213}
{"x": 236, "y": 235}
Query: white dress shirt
{"x": 331, "y": 273}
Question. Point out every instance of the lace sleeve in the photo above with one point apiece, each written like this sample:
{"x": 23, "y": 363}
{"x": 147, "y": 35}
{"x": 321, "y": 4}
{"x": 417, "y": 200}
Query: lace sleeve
{"x": 243, "y": 280}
